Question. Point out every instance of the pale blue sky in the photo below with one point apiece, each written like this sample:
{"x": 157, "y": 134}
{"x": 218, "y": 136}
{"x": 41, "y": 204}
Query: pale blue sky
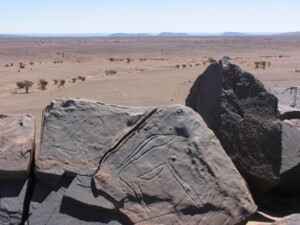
{"x": 148, "y": 16}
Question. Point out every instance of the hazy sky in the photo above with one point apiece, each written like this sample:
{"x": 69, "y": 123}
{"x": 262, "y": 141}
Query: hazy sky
{"x": 152, "y": 16}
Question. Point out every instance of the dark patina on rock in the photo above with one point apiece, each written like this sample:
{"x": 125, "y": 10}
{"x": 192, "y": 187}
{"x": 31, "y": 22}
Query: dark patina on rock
{"x": 244, "y": 117}
{"x": 149, "y": 168}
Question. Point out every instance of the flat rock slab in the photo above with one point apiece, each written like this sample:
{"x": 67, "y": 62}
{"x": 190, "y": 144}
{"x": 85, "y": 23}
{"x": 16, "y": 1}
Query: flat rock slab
{"x": 150, "y": 168}
{"x": 77, "y": 133}
{"x": 16, "y": 148}
{"x": 243, "y": 116}
{"x": 288, "y": 96}
{"x": 293, "y": 219}
{"x": 173, "y": 170}
{"x": 290, "y": 160}
{"x": 288, "y": 113}
{"x": 16, "y": 145}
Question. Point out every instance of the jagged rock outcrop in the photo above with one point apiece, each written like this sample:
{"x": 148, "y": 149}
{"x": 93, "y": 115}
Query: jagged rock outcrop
{"x": 16, "y": 150}
{"x": 243, "y": 116}
{"x": 106, "y": 164}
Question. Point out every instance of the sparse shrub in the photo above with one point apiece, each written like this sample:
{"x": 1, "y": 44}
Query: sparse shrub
{"x": 128, "y": 60}
{"x": 110, "y": 72}
{"x": 62, "y": 82}
{"x": 31, "y": 63}
{"x": 269, "y": 64}
{"x": 55, "y": 81}
{"x": 74, "y": 79}
{"x": 81, "y": 78}
{"x": 183, "y": 65}
{"x": 177, "y": 66}
{"x": 11, "y": 64}
{"x": 43, "y": 84}
{"x": 197, "y": 64}
{"x": 20, "y": 84}
{"x": 211, "y": 60}
{"x": 21, "y": 65}
{"x": 260, "y": 64}
{"x": 297, "y": 70}
{"x": 112, "y": 59}
{"x": 191, "y": 65}
{"x": 226, "y": 58}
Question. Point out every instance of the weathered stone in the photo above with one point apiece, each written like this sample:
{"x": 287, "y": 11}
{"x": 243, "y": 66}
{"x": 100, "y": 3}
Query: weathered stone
{"x": 293, "y": 219}
{"x": 243, "y": 115}
{"x": 288, "y": 113}
{"x": 173, "y": 170}
{"x": 77, "y": 133}
{"x": 166, "y": 168}
{"x": 59, "y": 208}
{"x": 290, "y": 160}
{"x": 16, "y": 147}
{"x": 288, "y": 96}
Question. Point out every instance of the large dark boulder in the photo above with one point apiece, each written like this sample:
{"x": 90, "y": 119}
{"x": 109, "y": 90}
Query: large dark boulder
{"x": 142, "y": 167}
{"x": 16, "y": 150}
{"x": 243, "y": 116}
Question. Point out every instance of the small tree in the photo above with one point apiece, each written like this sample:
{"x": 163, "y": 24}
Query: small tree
{"x": 25, "y": 84}
{"x": 28, "y": 84}
{"x": 256, "y": 64}
{"x": 74, "y": 79}
{"x": 55, "y": 81}
{"x": 43, "y": 84}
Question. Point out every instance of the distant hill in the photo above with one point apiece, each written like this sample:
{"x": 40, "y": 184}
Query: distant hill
{"x": 170, "y": 34}
{"x": 9, "y": 35}
{"x": 297, "y": 33}
{"x": 234, "y": 34}
{"x": 130, "y": 35}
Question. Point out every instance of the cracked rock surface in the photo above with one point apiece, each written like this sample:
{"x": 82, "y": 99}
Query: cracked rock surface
{"x": 243, "y": 116}
{"x": 109, "y": 164}
{"x": 77, "y": 133}
{"x": 16, "y": 148}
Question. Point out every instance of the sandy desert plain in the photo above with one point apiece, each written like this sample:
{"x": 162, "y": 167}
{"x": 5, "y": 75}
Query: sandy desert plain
{"x": 146, "y": 70}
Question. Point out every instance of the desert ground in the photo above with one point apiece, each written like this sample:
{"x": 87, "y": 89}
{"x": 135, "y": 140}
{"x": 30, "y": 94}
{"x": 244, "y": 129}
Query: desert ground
{"x": 156, "y": 71}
